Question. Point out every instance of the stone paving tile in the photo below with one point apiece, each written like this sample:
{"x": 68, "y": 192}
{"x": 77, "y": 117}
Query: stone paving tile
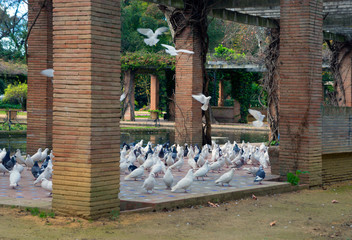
{"x": 131, "y": 190}
{"x": 27, "y": 194}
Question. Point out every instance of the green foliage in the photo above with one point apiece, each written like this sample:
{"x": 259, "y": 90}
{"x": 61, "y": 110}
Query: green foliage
{"x": 228, "y": 54}
{"x": 35, "y": 212}
{"x": 14, "y": 127}
{"x": 242, "y": 91}
{"x": 115, "y": 215}
{"x": 9, "y": 105}
{"x": 294, "y": 178}
{"x": 143, "y": 59}
{"x": 16, "y": 94}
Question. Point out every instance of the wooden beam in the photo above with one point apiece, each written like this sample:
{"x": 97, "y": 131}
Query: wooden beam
{"x": 334, "y": 36}
{"x": 170, "y": 3}
{"x": 243, "y": 18}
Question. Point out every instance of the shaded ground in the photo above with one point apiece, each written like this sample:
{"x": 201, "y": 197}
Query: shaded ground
{"x": 309, "y": 214}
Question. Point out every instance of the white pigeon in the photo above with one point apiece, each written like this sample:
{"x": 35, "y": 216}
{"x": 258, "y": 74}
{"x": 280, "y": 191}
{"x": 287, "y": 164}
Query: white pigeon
{"x": 203, "y": 100}
{"x": 152, "y": 39}
{"x": 149, "y": 183}
{"x": 137, "y": 173}
{"x": 29, "y": 161}
{"x": 123, "y": 96}
{"x": 44, "y": 154}
{"x": 47, "y": 185}
{"x": 149, "y": 162}
{"x": 200, "y": 161}
{"x": 19, "y": 158}
{"x": 178, "y": 165}
{"x": 3, "y": 169}
{"x": 201, "y": 172}
{"x": 18, "y": 167}
{"x": 168, "y": 178}
{"x": 157, "y": 168}
{"x": 48, "y": 72}
{"x": 185, "y": 182}
{"x": 169, "y": 160}
{"x": 226, "y": 177}
{"x": 15, "y": 177}
{"x": 2, "y": 154}
{"x": 51, "y": 155}
{"x": 192, "y": 163}
{"x": 173, "y": 52}
{"x": 124, "y": 166}
{"x": 47, "y": 173}
{"x": 258, "y": 116}
{"x": 140, "y": 159}
{"x": 37, "y": 156}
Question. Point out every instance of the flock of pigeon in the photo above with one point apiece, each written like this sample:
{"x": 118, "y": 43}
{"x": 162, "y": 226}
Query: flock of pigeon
{"x": 163, "y": 159}
{"x": 14, "y": 165}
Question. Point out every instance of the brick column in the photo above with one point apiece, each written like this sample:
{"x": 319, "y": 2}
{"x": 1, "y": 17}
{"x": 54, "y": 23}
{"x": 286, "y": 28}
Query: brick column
{"x": 154, "y": 92}
{"x": 86, "y": 129}
{"x": 128, "y": 79}
{"x": 189, "y": 80}
{"x": 221, "y": 94}
{"x": 40, "y": 88}
{"x": 300, "y": 88}
{"x": 346, "y": 72}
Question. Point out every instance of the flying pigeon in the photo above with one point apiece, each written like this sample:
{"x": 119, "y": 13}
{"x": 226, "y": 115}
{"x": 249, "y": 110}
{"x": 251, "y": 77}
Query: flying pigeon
{"x": 260, "y": 175}
{"x": 168, "y": 178}
{"x": 203, "y": 100}
{"x": 48, "y": 72}
{"x": 152, "y": 39}
{"x": 185, "y": 182}
{"x": 123, "y": 96}
{"x": 226, "y": 177}
{"x": 257, "y": 115}
{"x": 149, "y": 183}
{"x": 173, "y": 52}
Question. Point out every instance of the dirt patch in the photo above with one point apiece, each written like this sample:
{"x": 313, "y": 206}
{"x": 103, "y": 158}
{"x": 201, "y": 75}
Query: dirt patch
{"x": 309, "y": 214}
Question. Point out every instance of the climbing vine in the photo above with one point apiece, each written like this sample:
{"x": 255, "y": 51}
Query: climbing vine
{"x": 142, "y": 59}
{"x": 338, "y": 96}
{"x": 270, "y": 83}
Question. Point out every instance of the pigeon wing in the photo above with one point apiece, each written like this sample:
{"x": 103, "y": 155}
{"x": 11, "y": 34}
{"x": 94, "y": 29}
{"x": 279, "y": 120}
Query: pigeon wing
{"x": 48, "y": 72}
{"x": 185, "y": 51}
{"x": 161, "y": 30}
{"x": 146, "y": 31}
{"x": 200, "y": 98}
{"x": 256, "y": 114}
{"x": 171, "y": 48}
{"x": 123, "y": 96}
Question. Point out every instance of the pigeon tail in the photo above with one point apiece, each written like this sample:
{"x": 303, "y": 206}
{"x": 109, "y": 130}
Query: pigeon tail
{"x": 151, "y": 41}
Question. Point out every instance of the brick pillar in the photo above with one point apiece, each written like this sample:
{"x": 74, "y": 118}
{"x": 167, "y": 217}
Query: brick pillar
{"x": 221, "y": 94}
{"x": 189, "y": 80}
{"x": 346, "y": 72}
{"x": 129, "y": 82}
{"x": 154, "y": 92}
{"x": 40, "y": 88}
{"x": 86, "y": 129}
{"x": 300, "y": 88}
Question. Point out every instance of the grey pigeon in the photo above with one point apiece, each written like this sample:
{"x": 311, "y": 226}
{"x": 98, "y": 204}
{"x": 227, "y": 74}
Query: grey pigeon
{"x": 260, "y": 175}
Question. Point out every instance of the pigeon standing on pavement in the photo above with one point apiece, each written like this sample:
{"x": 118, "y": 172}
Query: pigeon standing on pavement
{"x": 260, "y": 175}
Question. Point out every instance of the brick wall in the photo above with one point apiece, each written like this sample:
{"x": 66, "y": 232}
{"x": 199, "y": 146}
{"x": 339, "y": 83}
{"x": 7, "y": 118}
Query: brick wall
{"x": 40, "y": 88}
{"x": 86, "y": 132}
{"x": 189, "y": 80}
{"x": 337, "y": 167}
{"x": 300, "y": 90}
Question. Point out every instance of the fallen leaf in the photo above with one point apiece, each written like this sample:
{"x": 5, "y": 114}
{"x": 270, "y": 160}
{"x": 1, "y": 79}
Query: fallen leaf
{"x": 272, "y": 223}
{"x": 334, "y": 201}
{"x": 254, "y": 197}
{"x": 213, "y": 204}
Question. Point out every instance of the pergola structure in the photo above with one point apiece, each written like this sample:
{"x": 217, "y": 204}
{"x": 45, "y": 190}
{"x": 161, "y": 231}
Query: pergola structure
{"x": 77, "y": 113}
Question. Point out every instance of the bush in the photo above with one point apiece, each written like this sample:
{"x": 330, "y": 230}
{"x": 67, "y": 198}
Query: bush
{"x": 16, "y": 94}
{"x": 9, "y": 106}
